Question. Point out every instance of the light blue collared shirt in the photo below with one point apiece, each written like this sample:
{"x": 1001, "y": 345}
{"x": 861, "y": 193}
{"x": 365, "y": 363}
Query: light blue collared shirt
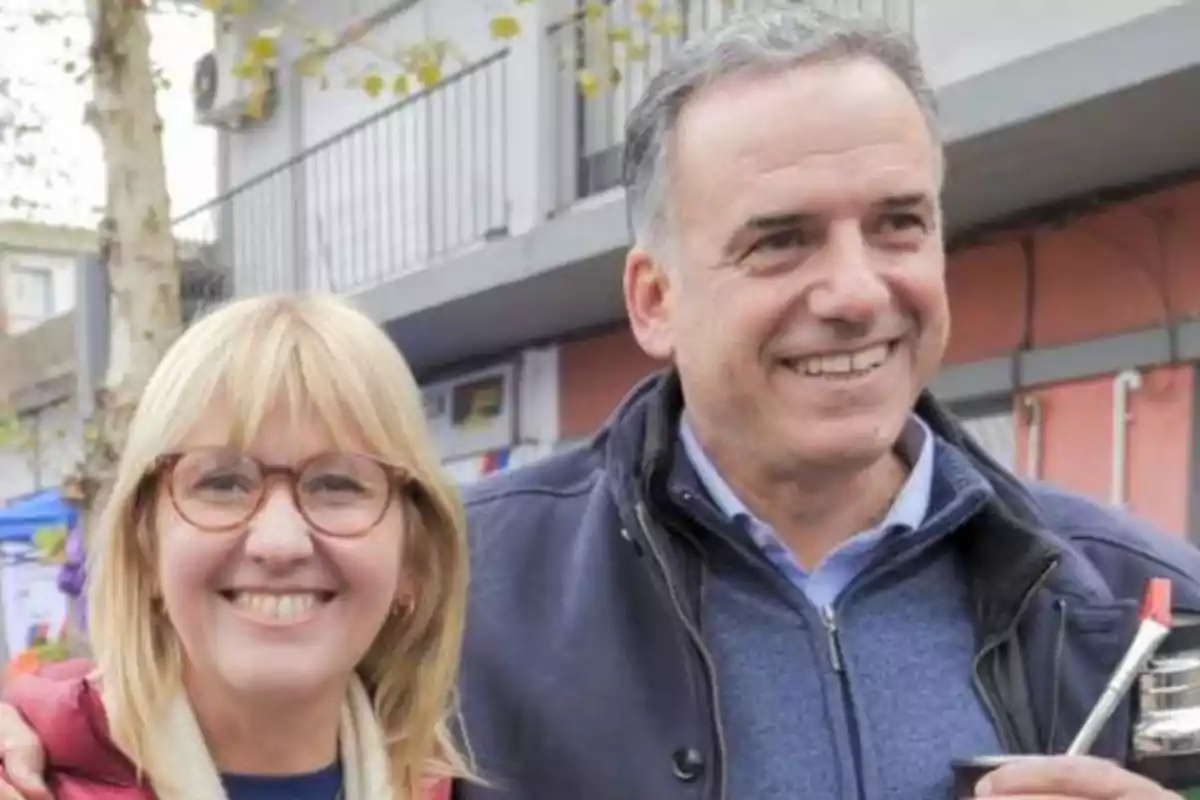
{"x": 824, "y": 584}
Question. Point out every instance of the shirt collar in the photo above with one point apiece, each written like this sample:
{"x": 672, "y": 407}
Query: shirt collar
{"x": 908, "y": 510}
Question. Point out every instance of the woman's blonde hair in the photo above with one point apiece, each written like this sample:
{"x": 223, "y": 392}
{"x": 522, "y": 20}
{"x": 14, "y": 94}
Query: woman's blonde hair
{"x": 316, "y": 355}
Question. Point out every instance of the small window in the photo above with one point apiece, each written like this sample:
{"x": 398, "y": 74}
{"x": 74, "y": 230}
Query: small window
{"x": 29, "y": 297}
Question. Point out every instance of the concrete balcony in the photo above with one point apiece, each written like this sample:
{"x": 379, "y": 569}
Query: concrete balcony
{"x": 411, "y": 184}
{"x": 476, "y": 218}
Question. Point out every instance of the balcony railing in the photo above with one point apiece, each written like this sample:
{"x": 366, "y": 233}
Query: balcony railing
{"x": 589, "y": 127}
{"x": 420, "y": 179}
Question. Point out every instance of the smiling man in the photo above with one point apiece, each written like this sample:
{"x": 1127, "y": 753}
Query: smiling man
{"x": 782, "y": 570}
{"x": 795, "y": 276}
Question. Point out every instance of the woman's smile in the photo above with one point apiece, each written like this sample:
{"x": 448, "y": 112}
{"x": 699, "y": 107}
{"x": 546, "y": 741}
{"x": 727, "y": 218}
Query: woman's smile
{"x": 278, "y": 608}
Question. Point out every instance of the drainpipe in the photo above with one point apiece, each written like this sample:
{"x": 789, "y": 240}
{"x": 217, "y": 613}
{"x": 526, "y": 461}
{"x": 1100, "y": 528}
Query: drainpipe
{"x": 1033, "y": 436}
{"x": 1125, "y": 382}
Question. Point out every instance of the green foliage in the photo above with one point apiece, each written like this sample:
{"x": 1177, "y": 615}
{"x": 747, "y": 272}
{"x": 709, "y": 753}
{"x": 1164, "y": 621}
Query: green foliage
{"x": 12, "y": 432}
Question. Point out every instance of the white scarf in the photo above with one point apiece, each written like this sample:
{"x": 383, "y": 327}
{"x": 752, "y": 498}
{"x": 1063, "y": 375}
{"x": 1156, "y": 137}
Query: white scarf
{"x": 193, "y": 776}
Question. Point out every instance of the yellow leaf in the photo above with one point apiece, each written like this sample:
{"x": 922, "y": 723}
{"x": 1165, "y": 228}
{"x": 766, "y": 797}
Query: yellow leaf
{"x": 505, "y": 26}
{"x": 245, "y": 69}
{"x": 373, "y": 85}
{"x": 637, "y": 52}
{"x": 256, "y": 106}
{"x": 594, "y": 10}
{"x": 668, "y": 25}
{"x": 619, "y": 35}
{"x": 589, "y": 83}
{"x": 238, "y": 6}
{"x": 429, "y": 74}
{"x": 262, "y": 47}
{"x": 10, "y": 431}
{"x": 645, "y": 9}
{"x": 401, "y": 85}
{"x": 211, "y": 5}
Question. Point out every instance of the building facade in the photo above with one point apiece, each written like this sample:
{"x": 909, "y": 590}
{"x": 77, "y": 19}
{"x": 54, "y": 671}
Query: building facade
{"x": 481, "y": 224}
{"x": 37, "y": 353}
{"x": 53, "y": 345}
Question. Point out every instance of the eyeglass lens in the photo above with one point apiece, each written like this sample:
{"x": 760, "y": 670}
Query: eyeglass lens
{"x": 339, "y": 493}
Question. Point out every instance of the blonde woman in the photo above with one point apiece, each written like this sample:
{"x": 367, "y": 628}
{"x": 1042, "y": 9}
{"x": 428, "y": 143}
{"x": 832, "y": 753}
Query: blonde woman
{"x": 278, "y": 579}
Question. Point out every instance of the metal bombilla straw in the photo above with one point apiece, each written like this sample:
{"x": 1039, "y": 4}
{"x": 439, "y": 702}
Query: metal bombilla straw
{"x": 1154, "y": 627}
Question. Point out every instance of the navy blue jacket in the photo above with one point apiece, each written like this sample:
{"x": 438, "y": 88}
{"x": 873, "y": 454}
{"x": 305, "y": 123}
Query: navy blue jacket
{"x": 585, "y": 673}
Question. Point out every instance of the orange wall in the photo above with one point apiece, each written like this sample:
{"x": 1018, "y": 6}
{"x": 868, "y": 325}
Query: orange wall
{"x": 1098, "y": 275}
{"x": 594, "y": 374}
{"x": 1077, "y": 441}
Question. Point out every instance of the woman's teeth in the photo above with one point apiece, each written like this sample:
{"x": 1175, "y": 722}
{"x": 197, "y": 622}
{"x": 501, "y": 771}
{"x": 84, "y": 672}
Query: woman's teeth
{"x": 277, "y": 606}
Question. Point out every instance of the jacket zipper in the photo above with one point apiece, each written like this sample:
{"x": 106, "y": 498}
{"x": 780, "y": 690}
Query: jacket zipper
{"x": 837, "y": 662}
{"x": 697, "y": 641}
{"x": 829, "y": 616}
{"x": 983, "y": 686}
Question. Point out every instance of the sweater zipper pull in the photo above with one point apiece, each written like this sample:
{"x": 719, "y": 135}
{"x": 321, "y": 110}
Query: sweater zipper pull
{"x": 835, "y": 644}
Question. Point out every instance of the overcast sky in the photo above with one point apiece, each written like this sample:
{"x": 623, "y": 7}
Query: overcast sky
{"x": 65, "y": 178}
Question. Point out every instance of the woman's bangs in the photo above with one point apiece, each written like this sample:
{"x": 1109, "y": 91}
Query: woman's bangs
{"x": 282, "y": 371}
{"x": 337, "y": 392}
{"x": 303, "y": 361}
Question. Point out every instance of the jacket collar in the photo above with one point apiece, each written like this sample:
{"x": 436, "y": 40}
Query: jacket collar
{"x": 1010, "y": 548}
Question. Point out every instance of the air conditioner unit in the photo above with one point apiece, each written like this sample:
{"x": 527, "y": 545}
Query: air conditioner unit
{"x": 222, "y": 99}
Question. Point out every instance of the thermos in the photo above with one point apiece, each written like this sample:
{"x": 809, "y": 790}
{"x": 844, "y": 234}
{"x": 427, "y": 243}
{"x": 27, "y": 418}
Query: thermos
{"x": 1166, "y": 731}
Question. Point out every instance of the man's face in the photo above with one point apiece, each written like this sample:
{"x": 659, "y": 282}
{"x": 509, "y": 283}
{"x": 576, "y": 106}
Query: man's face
{"x": 800, "y": 289}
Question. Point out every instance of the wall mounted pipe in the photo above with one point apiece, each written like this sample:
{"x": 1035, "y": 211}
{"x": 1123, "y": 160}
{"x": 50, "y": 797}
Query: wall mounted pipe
{"x": 1124, "y": 383}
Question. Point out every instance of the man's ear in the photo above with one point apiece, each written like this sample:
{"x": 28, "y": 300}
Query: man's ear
{"x": 648, "y": 300}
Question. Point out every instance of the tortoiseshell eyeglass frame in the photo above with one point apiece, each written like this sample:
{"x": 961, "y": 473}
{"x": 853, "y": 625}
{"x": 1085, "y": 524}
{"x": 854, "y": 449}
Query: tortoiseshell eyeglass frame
{"x": 161, "y": 473}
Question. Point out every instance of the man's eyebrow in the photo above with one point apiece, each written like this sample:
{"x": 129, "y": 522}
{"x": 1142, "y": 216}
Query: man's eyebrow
{"x": 795, "y": 219}
{"x": 906, "y": 201}
{"x": 772, "y": 221}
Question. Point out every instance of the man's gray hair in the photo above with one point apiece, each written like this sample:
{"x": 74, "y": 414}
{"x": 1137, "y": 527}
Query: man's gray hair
{"x": 765, "y": 42}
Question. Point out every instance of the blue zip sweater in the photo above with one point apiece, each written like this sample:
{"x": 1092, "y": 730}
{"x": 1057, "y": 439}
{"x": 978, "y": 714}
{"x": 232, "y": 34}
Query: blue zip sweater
{"x": 823, "y": 705}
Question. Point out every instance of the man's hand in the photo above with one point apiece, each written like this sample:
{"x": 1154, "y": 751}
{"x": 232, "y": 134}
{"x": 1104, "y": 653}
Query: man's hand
{"x": 1069, "y": 778}
{"x": 23, "y": 759}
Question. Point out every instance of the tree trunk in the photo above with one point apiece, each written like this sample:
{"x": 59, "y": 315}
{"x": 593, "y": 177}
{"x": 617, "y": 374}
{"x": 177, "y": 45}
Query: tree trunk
{"x": 141, "y": 259}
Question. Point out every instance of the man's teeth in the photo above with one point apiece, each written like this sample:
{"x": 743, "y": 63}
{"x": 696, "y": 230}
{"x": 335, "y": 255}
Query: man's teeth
{"x": 278, "y": 606}
{"x": 845, "y": 363}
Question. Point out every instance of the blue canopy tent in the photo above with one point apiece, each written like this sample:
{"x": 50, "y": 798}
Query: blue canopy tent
{"x": 21, "y": 521}
{"x": 33, "y": 529}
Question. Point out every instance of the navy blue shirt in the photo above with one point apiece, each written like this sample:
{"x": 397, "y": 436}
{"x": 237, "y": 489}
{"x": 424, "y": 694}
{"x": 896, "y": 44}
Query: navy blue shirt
{"x": 324, "y": 784}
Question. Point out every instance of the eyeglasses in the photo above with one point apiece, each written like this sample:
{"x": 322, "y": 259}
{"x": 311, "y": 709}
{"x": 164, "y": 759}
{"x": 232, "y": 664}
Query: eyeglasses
{"x": 338, "y": 494}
